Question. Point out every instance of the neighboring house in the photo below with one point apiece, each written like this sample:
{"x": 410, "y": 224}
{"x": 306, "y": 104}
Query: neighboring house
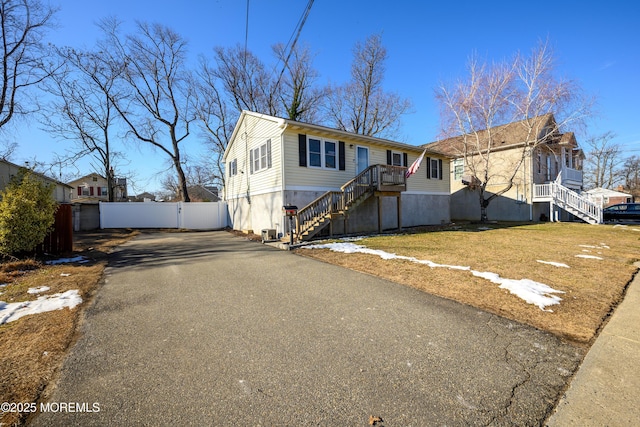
{"x": 143, "y": 197}
{"x": 604, "y": 197}
{"x": 94, "y": 187}
{"x": 549, "y": 178}
{"x": 341, "y": 182}
{"x": 202, "y": 193}
{"x": 61, "y": 191}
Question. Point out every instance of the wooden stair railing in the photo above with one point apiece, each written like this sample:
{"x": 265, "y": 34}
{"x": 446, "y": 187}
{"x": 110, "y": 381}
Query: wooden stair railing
{"x": 316, "y": 215}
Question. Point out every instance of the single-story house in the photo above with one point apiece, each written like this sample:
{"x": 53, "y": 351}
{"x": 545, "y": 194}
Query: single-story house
{"x": 605, "y": 197}
{"x": 547, "y": 183}
{"x": 340, "y": 182}
{"x": 8, "y": 170}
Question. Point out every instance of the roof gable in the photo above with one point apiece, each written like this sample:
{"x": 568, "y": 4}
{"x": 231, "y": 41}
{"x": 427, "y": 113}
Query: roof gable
{"x": 509, "y": 135}
{"x": 301, "y": 127}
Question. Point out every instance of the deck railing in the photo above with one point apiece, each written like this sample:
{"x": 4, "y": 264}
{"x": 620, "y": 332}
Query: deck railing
{"x": 373, "y": 178}
{"x": 561, "y": 195}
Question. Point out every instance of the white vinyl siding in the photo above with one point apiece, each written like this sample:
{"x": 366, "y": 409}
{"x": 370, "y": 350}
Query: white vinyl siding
{"x": 253, "y": 134}
{"x": 304, "y": 177}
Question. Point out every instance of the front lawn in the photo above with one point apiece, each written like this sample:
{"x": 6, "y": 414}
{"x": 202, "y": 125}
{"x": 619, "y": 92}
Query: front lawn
{"x": 590, "y": 264}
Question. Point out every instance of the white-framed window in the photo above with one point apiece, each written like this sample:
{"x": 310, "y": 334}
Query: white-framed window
{"x": 458, "y": 169}
{"x": 315, "y": 152}
{"x": 330, "y": 154}
{"x": 260, "y": 157}
{"x": 396, "y": 159}
{"x": 103, "y": 191}
{"x": 85, "y": 191}
{"x": 233, "y": 167}
{"x": 322, "y": 153}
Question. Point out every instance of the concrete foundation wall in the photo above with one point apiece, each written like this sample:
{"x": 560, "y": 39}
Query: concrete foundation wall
{"x": 263, "y": 211}
{"x": 465, "y": 205}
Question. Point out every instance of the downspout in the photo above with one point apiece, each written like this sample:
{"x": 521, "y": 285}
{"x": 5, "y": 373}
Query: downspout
{"x": 283, "y": 125}
{"x": 530, "y": 185}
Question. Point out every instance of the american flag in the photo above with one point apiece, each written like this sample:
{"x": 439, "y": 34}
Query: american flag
{"x": 415, "y": 165}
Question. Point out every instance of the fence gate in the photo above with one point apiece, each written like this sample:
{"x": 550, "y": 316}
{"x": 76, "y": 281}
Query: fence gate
{"x": 60, "y": 239}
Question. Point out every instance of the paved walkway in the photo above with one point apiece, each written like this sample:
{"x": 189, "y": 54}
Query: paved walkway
{"x": 605, "y": 390}
{"x": 211, "y": 329}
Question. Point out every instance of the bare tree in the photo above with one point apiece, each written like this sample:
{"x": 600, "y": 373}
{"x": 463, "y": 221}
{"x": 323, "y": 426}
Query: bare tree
{"x": 158, "y": 110}
{"x": 216, "y": 118}
{"x": 362, "y": 106}
{"x": 7, "y": 149}
{"x": 245, "y": 80}
{"x": 83, "y": 108}
{"x": 603, "y": 161}
{"x": 523, "y": 90}
{"x": 300, "y": 97}
{"x": 630, "y": 173}
{"x": 23, "y": 24}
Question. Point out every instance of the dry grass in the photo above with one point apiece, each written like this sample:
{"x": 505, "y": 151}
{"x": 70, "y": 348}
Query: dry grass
{"x": 32, "y": 348}
{"x": 592, "y": 287}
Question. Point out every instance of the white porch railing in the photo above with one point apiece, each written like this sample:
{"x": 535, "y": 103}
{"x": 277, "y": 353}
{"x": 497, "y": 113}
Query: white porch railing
{"x": 572, "y": 176}
{"x": 569, "y": 200}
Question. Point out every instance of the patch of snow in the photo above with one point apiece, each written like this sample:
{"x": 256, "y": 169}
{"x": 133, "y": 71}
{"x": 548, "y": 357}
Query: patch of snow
{"x": 79, "y": 259}
{"x": 555, "y": 264}
{"x": 38, "y": 290}
{"x": 530, "y": 291}
{"x": 13, "y": 311}
{"x": 602, "y": 246}
{"x": 588, "y": 256}
{"x": 65, "y": 274}
{"x": 484, "y": 228}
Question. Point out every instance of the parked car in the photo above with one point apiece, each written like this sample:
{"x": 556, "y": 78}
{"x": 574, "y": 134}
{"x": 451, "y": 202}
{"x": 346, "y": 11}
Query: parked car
{"x": 622, "y": 212}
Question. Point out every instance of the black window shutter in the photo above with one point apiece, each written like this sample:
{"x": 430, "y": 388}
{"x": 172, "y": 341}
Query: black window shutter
{"x": 405, "y": 159}
{"x": 341, "y": 156}
{"x": 428, "y": 159}
{"x": 302, "y": 149}
{"x": 389, "y": 159}
{"x": 439, "y": 168}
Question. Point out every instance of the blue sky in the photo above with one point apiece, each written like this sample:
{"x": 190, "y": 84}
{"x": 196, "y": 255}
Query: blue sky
{"x": 595, "y": 43}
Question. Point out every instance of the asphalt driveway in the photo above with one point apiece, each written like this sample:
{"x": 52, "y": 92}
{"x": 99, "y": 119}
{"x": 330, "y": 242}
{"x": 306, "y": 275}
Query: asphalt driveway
{"x": 211, "y": 329}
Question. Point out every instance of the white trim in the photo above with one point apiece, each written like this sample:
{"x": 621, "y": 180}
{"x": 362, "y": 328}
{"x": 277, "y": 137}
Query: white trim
{"x": 323, "y": 153}
{"x": 427, "y": 193}
{"x": 256, "y": 193}
{"x": 310, "y": 188}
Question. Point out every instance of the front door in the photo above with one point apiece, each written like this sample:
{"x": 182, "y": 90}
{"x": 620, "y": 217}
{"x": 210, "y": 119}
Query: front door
{"x": 362, "y": 158}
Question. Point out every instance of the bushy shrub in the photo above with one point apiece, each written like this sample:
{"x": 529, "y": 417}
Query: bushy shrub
{"x": 27, "y": 213}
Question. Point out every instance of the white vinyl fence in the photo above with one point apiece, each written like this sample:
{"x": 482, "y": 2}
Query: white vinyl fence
{"x": 192, "y": 216}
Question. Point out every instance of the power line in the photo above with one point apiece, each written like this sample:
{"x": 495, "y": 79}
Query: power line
{"x": 297, "y": 32}
{"x": 246, "y": 36}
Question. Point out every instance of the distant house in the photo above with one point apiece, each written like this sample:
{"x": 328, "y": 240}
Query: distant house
{"x": 94, "y": 188}
{"x": 340, "y": 182}
{"x": 143, "y": 197}
{"x": 605, "y": 197}
{"x": 548, "y": 181}
{"x": 8, "y": 170}
{"x": 202, "y": 193}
